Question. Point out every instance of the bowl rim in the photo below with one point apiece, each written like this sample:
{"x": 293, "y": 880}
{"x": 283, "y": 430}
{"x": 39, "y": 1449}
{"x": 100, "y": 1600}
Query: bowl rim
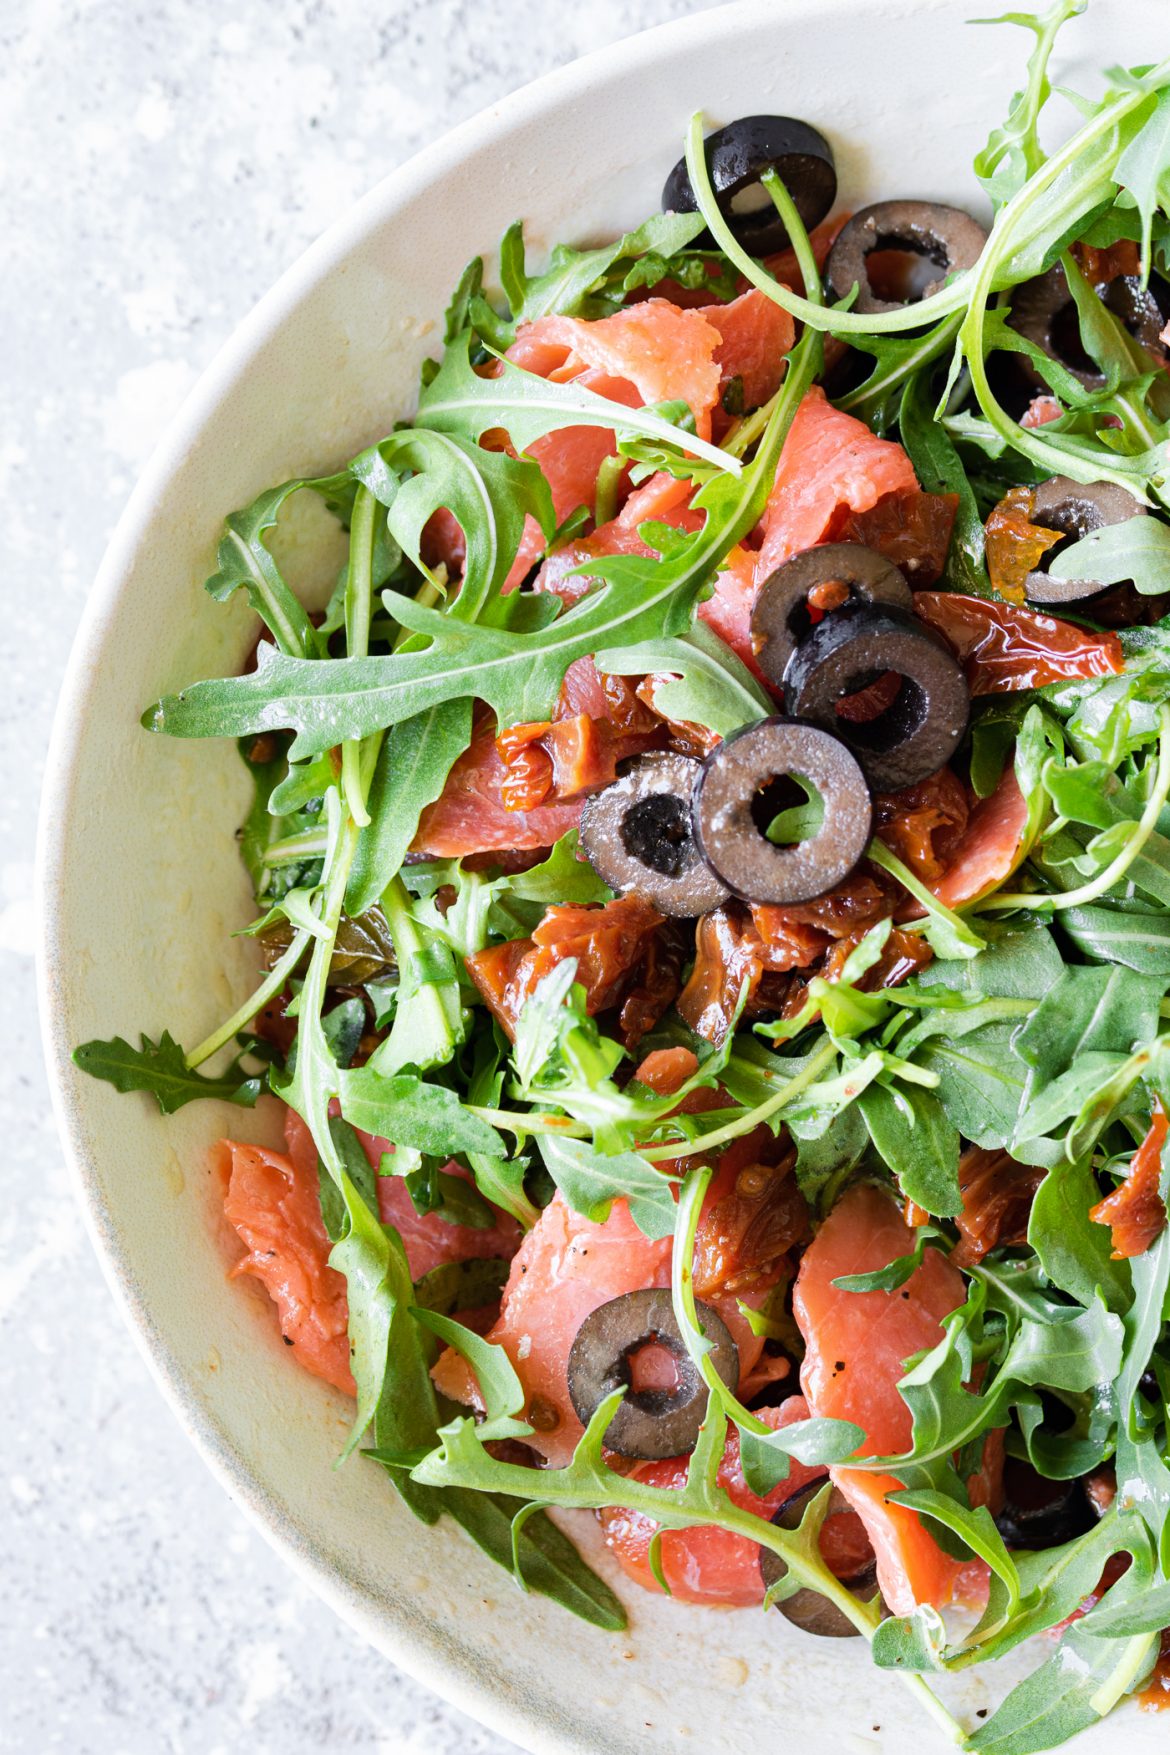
{"x": 421, "y": 1655}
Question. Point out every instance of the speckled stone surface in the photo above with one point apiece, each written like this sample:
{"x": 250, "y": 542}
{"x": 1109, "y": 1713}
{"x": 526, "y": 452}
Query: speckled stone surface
{"x": 162, "y": 165}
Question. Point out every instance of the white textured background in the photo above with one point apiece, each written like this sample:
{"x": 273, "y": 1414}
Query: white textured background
{"x": 160, "y": 164}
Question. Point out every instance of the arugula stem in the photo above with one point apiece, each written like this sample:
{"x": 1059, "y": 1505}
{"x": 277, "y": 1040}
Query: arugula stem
{"x": 879, "y": 854}
{"x": 359, "y": 599}
{"x": 836, "y": 320}
{"x": 748, "y": 1118}
{"x": 513, "y": 1121}
{"x": 743, "y": 435}
{"x": 1118, "y": 867}
{"x": 1134, "y": 1658}
{"x": 309, "y": 844}
{"x": 797, "y": 234}
{"x": 267, "y": 990}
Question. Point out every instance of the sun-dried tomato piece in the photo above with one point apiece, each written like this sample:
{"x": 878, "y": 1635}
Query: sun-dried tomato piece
{"x": 609, "y": 943}
{"x": 666, "y": 1070}
{"x": 1099, "y": 267}
{"x": 1135, "y": 1211}
{"x": 628, "y": 711}
{"x": 1002, "y": 648}
{"x": 745, "y": 1234}
{"x": 922, "y": 824}
{"x": 902, "y": 955}
{"x": 582, "y": 753}
{"x": 657, "y": 986}
{"x": 501, "y": 972}
{"x": 912, "y": 529}
{"x": 1015, "y": 546}
{"x": 997, "y": 1196}
{"x": 794, "y": 934}
{"x": 728, "y": 952}
{"x": 528, "y": 780}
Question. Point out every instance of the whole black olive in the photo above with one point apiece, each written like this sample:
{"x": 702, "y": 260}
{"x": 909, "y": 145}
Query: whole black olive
{"x": 922, "y": 727}
{"x": 1039, "y": 1513}
{"x": 1075, "y": 508}
{"x": 807, "y": 1608}
{"x": 781, "y": 617}
{"x": 738, "y": 156}
{"x": 1044, "y": 312}
{"x": 637, "y": 836}
{"x": 945, "y": 238}
{"x": 651, "y": 1423}
{"x": 733, "y": 787}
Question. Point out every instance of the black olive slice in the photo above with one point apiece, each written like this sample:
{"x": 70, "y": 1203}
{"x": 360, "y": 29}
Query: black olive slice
{"x": 637, "y": 836}
{"x": 781, "y": 618}
{"x": 732, "y": 787}
{"x": 1074, "y": 508}
{"x": 1039, "y": 1513}
{"x": 737, "y": 157}
{"x": 807, "y": 1609}
{"x": 1044, "y": 312}
{"x": 945, "y": 238}
{"x": 653, "y": 1423}
{"x": 922, "y": 727}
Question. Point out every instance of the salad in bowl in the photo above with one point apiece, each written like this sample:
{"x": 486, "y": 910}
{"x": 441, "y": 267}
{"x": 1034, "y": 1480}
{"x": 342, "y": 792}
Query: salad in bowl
{"x": 711, "y": 859}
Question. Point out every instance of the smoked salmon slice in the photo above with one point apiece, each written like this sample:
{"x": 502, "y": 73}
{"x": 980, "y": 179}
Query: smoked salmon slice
{"x": 272, "y": 1204}
{"x": 856, "y": 1344}
{"x": 706, "y": 1564}
{"x": 565, "y": 1268}
{"x": 831, "y": 465}
{"x": 271, "y": 1200}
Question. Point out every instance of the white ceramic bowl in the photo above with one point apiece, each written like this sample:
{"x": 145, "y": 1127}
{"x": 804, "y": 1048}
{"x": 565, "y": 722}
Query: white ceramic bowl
{"x": 141, "y": 882}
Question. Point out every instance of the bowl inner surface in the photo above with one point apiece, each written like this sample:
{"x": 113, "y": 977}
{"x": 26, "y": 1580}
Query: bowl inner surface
{"x": 142, "y": 883}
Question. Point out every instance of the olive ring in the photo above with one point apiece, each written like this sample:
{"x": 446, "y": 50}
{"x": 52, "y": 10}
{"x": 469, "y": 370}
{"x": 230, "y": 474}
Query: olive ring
{"x": 808, "y": 1609}
{"x": 781, "y": 617}
{"x": 730, "y": 785}
{"x": 920, "y": 730}
{"x": 946, "y": 237}
{"x": 653, "y": 1423}
{"x": 737, "y": 157}
{"x": 1076, "y": 509}
{"x": 636, "y": 834}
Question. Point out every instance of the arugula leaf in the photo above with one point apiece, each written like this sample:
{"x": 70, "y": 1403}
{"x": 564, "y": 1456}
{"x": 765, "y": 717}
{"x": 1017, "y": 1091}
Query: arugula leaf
{"x": 591, "y": 1182}
{"x": 1013, "y": 152}
{"x": 245, "y": 561}
{"x": 461, "y": 1285}
{"x": 1130, "y": 937}
{"x": 1138, "y": 550}
{"x": 430, "y": 1118}
{"x": 377, "y": 1282}
{"x": 1144, "y": 171}
{"x": 590, "y": 283}
{"x": 412, "y": 768}
{"x": 704, "y": 683}
{"x": 1073, "y": 1251}
{"x": 911, "y": 1131}
{"x": 518, "y": 672}
{"x": 940, "y": 470}
{"x": 161, "y": 1068}
{"x": 429, "y": 1017}
{"x": 1077, "y": 1685}
{"x": 501, "y": 1389}
{"x": 460, "y": 402}
{"x": 490, "y": 493}
{"x": 898, "y": 1271}
{"x": 406, "y": 1422}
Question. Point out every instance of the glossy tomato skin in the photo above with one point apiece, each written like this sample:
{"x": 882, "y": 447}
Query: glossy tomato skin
{"x": 1003, "y": 647}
